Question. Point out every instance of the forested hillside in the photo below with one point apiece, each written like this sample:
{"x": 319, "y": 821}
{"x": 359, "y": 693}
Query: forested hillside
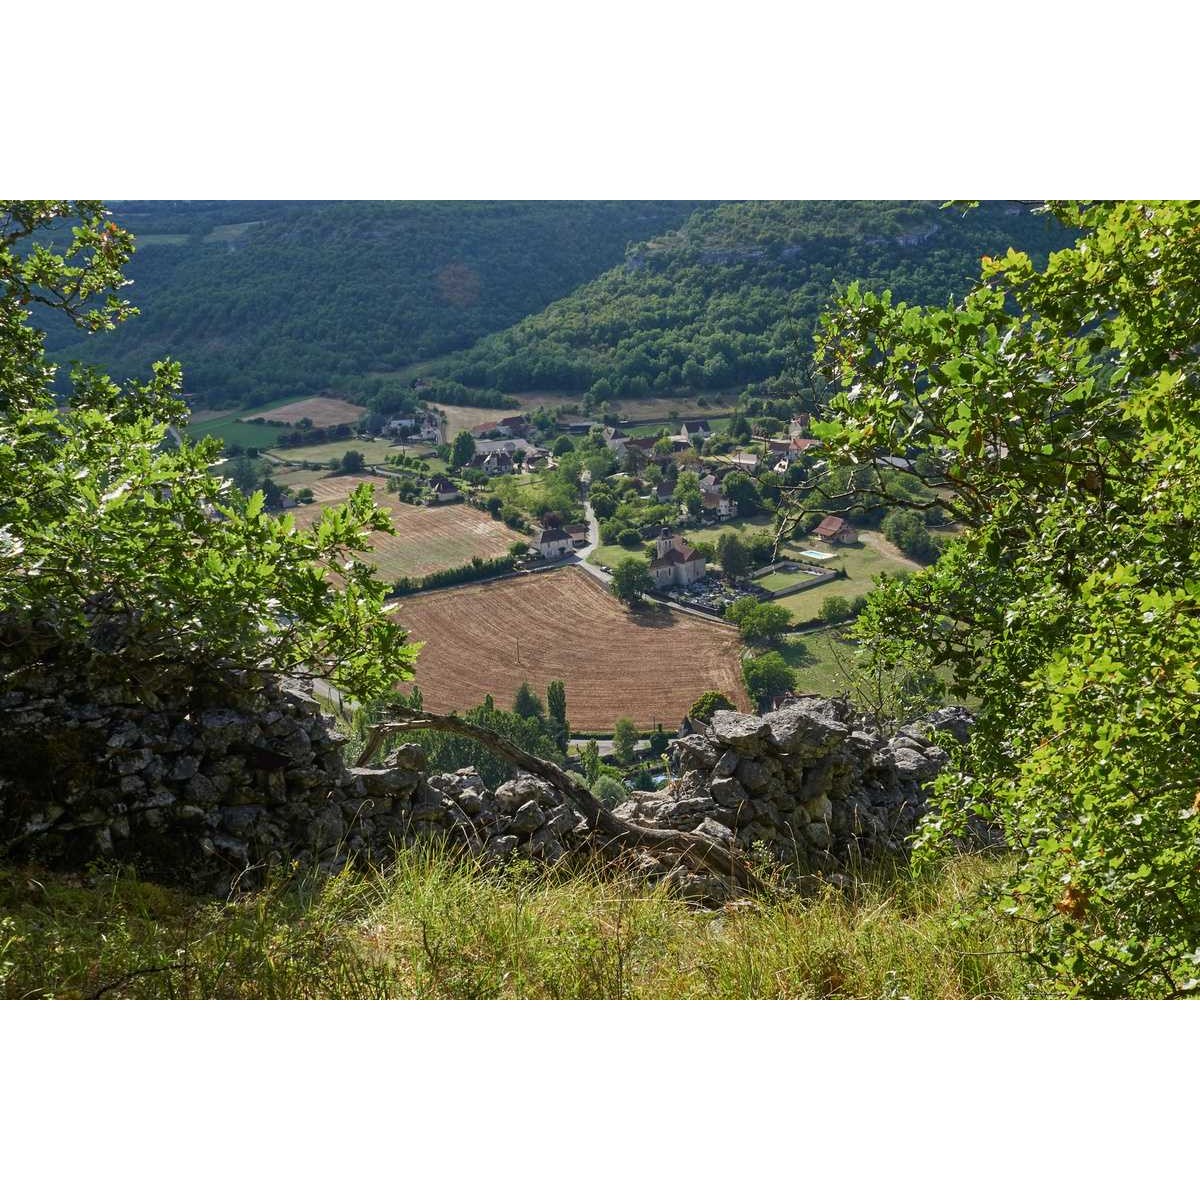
{"x": 732, "y": 297}
{"x": 264, "y": 299}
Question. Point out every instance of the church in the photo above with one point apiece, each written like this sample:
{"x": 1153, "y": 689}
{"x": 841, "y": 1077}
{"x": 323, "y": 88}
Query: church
{"x": 675, "y": 562}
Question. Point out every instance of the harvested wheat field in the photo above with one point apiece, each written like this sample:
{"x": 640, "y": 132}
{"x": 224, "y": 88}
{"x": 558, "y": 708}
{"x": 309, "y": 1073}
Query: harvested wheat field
{"x": 426, "y": 539}
{"x": 460, "y": 417}
{"x": 323, "y": 411}
{"x": 563, "y": 624}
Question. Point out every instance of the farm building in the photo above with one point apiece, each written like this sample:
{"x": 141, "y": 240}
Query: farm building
{"x": 552, "y": 543}
{"x": 578, "y": 534}
{"x": 676, "y": 564}
{"x": 444, "y": 491}
{"x": 836, "y": 531}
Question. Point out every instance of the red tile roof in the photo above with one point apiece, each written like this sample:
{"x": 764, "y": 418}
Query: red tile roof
{"x": 831, "y": 527}
{"x": 674, "y": 557}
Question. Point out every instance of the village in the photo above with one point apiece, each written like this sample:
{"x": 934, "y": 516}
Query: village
{"x": 516, "y": 537}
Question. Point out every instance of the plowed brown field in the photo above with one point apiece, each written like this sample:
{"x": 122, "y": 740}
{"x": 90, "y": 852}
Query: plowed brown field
{"x": 323, "y": 411}
{"x": 562, "y": 624}
{"x": 426, "y": 539}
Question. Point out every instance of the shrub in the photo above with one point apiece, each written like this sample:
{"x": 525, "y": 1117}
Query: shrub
{"x": 711, "y": 702}
{"x": 834, "y": 609}
{"x": 609, "y": 791}
{"x": 477, "y": 568}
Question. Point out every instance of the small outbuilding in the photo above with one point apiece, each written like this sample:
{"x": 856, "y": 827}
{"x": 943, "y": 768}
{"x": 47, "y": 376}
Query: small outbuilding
{"x": 837, "y": 531}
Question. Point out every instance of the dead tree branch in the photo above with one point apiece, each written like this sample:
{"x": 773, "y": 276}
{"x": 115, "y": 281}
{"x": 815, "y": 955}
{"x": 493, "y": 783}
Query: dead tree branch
{"x": 694, "y": 848}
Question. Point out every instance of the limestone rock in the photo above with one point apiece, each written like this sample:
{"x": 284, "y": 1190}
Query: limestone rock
{"x": 714, "y": 831}
{"x": 741, "y": 731}
{"x": 528, "y": 817}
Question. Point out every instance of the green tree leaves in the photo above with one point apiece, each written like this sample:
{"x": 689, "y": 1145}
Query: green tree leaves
{"x": 625, "y": 738}
{"x": 463, "y": 449}
{"x": 630, "y": 578}
{"x": 134, "y": 557}
{"x": 767, "y": 676}
{"x": 1060, "y": 413}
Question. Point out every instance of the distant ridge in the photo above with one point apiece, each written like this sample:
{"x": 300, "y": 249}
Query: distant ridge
{"x": 269, "y": 299}
{"x": 732, "y": 296}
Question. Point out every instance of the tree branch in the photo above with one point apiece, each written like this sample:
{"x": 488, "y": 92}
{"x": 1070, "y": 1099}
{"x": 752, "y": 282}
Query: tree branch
{"x": 699, "y": 850}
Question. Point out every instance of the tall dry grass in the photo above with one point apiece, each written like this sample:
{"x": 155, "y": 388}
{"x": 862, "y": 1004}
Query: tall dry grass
{"x": 434, "y": 926}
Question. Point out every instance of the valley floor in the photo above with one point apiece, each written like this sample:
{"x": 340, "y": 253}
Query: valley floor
{"x": 435, "y": 928}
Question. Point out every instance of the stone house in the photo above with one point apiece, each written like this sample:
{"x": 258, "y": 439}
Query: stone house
{"x": 614, "y": 439}
{"x": 509, "y": 427}
{"x": 422, "y": 427}
{"x": 443, "y": 491}
{"x": 792, "y": 448}
{"x": 494, "y": 462}
{"x": 716, "y": 505}
{"x": 676, "y": 564}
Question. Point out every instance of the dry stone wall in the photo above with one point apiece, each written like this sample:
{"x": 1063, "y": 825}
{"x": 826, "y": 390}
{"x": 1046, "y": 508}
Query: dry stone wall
{"x": 812, "y": 783}
{"x": 211, "y": 796}
{"x": 211, "y": 793}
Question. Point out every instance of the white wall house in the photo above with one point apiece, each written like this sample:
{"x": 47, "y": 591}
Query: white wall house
{"x": 552, "y": 543}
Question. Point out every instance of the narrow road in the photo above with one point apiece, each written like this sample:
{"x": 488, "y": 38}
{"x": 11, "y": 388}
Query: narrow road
{"x": 585, "y": 553}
